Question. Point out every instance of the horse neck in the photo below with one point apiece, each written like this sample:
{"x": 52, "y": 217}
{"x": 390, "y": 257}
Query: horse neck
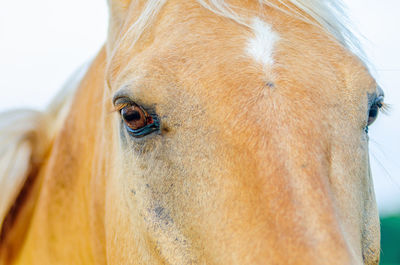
{"x": 67, "y": 221}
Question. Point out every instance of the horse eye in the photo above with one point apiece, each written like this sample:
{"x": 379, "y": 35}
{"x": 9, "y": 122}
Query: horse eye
{"x": 373, "y": 114}
{"x": 374, "y": 110}
{"x": 134, "y": 117}
{"x": 137, "y": 122}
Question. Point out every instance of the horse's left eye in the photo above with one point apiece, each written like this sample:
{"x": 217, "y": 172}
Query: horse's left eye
{"x": 134, "y": 117}
{"x": 137, "y": 122}
{"x": 374, "y": 109}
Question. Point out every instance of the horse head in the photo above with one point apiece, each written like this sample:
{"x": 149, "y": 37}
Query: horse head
{"x": 214, "y": 132}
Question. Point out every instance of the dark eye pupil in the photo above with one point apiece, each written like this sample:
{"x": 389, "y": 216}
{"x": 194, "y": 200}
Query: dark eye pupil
{"x": 132, "y": 116}
{"x": 373, "y": 113}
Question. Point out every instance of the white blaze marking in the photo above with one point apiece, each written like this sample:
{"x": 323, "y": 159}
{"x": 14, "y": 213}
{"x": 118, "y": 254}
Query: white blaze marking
{"x": 261, "y": 45}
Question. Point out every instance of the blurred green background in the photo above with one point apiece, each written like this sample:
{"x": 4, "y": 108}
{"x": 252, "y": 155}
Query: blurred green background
{"x": 390, "y": 240}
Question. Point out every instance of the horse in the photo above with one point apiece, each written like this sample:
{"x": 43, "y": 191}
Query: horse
{"x": 204, "y": 132}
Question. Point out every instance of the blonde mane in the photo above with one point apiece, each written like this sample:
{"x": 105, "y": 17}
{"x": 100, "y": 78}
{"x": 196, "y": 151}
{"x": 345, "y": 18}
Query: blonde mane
{"x": 25, "y": 138}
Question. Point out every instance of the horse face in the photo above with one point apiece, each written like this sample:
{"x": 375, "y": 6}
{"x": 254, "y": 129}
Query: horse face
{"x": 239, "y": 145}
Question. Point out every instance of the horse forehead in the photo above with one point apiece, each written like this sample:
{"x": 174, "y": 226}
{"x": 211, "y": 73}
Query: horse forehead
{"x": 182, "y": 43}
{"x": 261, "y": 45}
{"x": 263, "y": 42}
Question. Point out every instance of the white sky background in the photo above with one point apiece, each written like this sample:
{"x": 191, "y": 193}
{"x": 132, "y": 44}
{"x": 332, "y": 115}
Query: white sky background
{"x": 42, "y": 42}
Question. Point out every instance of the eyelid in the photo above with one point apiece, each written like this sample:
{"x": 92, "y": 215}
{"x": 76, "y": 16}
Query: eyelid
{"x": 124, "y": 93}
{"x": 125, "y": 96}
{"x": 375, "y": 99}
{"x": 119, "y": 99}
{"x": 121, "y": 103}
{"x": 379, "y": 101}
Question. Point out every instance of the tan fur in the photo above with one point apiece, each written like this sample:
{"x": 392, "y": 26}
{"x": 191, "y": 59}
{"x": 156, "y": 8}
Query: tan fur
{"x": 26, "y": 136}
{"x": 251, "y": 165}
